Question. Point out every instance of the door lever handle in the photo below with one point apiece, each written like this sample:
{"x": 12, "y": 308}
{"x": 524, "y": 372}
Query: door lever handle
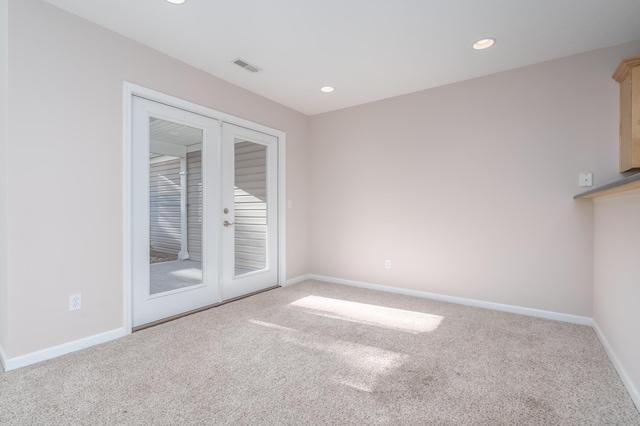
{"x": 227, "y": 224}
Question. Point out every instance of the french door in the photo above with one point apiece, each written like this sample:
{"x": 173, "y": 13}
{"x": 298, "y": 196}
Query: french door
{"x": 250, "y": 232}
{"x": 204, "y": 206}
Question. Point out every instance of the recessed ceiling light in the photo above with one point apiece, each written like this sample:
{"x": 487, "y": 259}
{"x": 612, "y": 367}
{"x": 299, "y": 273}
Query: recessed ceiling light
{"x": 484, "y": 43}
{"x": 327, "y": 89}
{"x": 176, "y": 1}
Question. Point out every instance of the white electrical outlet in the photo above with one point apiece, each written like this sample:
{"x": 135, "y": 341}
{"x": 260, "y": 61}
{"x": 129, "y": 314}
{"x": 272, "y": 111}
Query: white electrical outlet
{"x": 387, "y": 264}
{"x": 75, "y": 302}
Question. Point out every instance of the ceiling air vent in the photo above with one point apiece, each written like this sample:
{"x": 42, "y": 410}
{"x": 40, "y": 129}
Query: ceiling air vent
{"x": 247, "y": 66}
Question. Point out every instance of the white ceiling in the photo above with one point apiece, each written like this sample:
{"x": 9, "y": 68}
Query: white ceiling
{"x": 177, "y": 134}
{"x": 366, "y": 49}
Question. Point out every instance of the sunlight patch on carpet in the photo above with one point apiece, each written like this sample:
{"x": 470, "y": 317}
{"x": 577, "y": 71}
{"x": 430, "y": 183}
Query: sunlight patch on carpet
{"x": 379, "y": 316}
{"x": 351, "y": 364}
{"x": 270, "y": 325}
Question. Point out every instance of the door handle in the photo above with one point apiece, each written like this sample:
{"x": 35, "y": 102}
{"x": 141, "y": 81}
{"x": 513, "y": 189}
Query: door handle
{"x": 227, "y": 224}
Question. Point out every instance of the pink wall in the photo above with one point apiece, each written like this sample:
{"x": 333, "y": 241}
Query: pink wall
{"x": 4, "y": 126}
{"x": 616, "y": 287}
{"x": 468, "y": 188}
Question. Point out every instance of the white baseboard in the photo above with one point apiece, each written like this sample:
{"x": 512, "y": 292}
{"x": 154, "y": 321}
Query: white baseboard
{"x": 297, "y": 280}
{"x": 575, "y": 319}
{"x": 34, "y": 357}
{"x": 631, "y": 388}
{"x": 624, "y": 376}
{"x": 22, "y": 361}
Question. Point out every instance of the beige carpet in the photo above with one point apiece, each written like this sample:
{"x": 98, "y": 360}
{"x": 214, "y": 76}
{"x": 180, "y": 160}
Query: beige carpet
{"x": 323, "y": 354}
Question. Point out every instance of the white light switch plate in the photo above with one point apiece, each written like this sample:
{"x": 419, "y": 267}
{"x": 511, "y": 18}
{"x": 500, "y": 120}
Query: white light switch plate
{"x": 586, "y": 179}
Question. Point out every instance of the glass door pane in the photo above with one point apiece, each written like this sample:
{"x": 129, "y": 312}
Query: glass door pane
{"x": 175, "y": 206}
{"x": 250, "y": 205}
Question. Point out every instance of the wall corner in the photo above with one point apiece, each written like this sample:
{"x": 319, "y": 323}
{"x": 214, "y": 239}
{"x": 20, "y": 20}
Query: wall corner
{"x": 4, "y": 141}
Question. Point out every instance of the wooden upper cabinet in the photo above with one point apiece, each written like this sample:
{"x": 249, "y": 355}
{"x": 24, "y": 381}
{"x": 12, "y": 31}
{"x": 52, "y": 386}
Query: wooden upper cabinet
{"x": 628, "y": 76}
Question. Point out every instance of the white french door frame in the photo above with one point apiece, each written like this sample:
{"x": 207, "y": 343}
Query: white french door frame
{"x": 129, "y": 91}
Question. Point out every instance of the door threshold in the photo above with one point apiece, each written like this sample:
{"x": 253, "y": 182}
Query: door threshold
{"x": 195, "y": 311}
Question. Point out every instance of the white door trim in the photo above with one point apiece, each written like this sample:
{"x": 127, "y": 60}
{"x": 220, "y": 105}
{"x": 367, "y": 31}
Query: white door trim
{"x": 130, "y": 90}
